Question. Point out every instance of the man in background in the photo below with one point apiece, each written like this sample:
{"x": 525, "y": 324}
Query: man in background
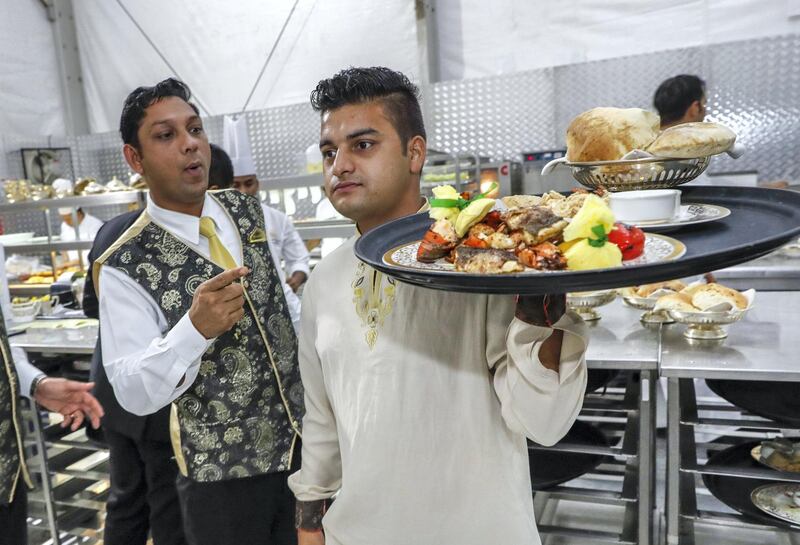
{"x": 220, "y": 176}
{"x": 220, "y": 171}
{"x": 680, "y": 99}
{"x": 286, "y": 243}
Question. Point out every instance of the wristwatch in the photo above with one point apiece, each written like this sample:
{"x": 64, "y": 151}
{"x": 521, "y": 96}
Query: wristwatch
{"x": 35, "y": 383}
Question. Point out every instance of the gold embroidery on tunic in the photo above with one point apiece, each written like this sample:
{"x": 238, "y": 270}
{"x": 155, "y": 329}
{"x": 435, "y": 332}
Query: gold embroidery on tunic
{"x": 373, "y": 300}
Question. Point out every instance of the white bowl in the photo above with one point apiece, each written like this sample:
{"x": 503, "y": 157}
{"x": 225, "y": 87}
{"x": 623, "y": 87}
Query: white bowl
{"x": 25, "y": 312}
{"x": 645, "y": 205}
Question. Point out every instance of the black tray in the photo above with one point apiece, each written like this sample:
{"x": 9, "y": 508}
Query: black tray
{"x": 735, "y": 491}
{"x": 761, "y": 220}
{"x": 599, "y": 378}
{"x": 551, "y": 468}
{"x": 777, "y": 401}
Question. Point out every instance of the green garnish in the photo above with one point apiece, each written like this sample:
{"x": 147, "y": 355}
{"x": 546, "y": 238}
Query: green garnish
{"x": 459, "y": 203}
{"x": 601, "y": 239}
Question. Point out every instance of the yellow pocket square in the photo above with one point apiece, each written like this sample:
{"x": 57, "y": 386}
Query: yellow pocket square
{"x": 258, "y": 235}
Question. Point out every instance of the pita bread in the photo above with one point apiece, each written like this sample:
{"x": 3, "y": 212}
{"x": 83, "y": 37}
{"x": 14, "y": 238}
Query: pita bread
{"x": 648, "y": 289}
{"x": 711, "y": 295}
{"x": 606, "y": 134}
{"x": 692, "y": 140}
{"x": 675, "y": 301}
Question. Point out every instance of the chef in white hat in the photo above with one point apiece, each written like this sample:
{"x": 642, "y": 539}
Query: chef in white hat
{"x": 87, "y": 227}
{"x": 280, "y": 230}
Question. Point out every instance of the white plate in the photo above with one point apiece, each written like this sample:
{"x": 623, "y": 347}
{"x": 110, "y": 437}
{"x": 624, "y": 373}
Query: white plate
{"x": 776, "y": 500}
{"x": 690, "y": 214}
{"x": 15, "y": 238}
{"x": 657, "y": 248}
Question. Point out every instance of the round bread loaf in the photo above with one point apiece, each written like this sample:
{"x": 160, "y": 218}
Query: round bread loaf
{"x": 606, "y": 134}
{"x": 691, "y": 140}
{"x": 710, "y": 295}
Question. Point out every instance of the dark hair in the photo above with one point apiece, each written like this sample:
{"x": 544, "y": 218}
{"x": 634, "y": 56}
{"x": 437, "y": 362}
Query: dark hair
{"x": 674, "y": 96}
{"x": 220, "y": 172}
{"x": 133, "y": 110}
{"x": 399, "y": 96}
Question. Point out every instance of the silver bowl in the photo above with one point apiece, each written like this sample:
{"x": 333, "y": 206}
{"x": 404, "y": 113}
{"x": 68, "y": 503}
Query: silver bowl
{"x": 585, "y": 303}
{"x": 634, "y": 174}
{"x": 647, "y": 304}
{"x": 706, "y": 325}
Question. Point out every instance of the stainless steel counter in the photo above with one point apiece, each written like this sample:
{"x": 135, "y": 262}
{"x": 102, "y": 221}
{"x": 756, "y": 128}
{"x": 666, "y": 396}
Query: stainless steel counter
{"x": 619, "y": 341}
{"x": 765, "y": 345}
{"x": 57, "y": 341}
{"x": 774, "y": 272}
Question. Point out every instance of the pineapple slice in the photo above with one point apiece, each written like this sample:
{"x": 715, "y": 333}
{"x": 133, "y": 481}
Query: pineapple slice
{"x": 593, "y": 212}
{"x": 583, "y": 256}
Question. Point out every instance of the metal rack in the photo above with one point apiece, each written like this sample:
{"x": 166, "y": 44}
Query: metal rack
{"x": 748, "y": 354}
{"x": 627, "y": 416}
{"x": 49, "y": 245}
{"x": 71, "y": 472}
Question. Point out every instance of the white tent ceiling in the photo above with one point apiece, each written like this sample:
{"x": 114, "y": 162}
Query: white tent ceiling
{"x": 219, "y": 48}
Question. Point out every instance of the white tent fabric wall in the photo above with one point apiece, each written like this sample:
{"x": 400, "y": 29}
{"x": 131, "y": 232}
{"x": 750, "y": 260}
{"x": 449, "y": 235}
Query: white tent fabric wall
{"x": 30, "y": 96}
{"x": 479, "y": 38}
{"x": 219, "y": 48}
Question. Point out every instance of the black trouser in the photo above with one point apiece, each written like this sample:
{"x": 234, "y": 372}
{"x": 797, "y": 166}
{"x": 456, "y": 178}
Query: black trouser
{"x": 254, "y": 510}
{"x": 13, "y": 517}
{"x": 143, "y": 495}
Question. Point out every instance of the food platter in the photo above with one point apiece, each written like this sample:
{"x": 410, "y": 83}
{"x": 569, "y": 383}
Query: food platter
{"x": 710, "y": 246}
{"x": 736, "y": 492}
{"x": 776, "y": 500}
{"x": 657, "y": 248}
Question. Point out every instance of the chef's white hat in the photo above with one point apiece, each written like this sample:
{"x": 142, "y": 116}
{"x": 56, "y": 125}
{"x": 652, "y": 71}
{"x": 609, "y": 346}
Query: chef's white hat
{"x": 64, "y": 211}
{"x": 236, "y": 141}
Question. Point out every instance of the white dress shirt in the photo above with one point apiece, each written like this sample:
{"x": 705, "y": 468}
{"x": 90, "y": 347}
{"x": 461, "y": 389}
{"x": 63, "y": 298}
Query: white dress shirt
{"x": 144, "y": 360}
{"x": 285, "y": 239}
{"x": 26, "y": 372}
{"x": 418, "y": 403}
{"x": 286, "y": 246}
{"x": 88, "y": 229}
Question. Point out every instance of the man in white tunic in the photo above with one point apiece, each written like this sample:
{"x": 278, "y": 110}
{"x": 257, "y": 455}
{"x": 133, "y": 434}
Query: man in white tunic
{"x": 418, "y": 402}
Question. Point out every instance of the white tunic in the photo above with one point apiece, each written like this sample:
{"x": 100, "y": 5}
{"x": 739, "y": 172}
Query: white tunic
{"x": 418, "y": 403}
{"x": 88, "y": 229}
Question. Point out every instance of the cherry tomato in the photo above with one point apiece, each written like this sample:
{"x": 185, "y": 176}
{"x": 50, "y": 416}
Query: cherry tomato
{"x": 629, "y": 238}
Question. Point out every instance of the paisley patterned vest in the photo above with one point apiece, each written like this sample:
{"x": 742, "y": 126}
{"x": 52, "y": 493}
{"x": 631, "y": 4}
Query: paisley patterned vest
{"x": 241, "y": 415}
{"x": 12, "y": 457}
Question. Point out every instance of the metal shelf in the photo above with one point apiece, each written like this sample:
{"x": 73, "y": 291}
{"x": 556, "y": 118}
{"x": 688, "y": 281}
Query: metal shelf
{"x": 29, "y": 290}
{"x": 291, "y": 182}
{"x": 87, "y": 201}
{"x": 325, "y": 229}
{"x": 55, "y": 246}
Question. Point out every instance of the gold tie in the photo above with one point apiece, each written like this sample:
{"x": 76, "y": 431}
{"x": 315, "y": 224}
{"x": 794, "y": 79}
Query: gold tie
{"x": 219, "y": 254}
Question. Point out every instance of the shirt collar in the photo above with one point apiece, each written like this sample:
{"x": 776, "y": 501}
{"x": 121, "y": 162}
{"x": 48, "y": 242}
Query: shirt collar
{"x": 185, "y": 226}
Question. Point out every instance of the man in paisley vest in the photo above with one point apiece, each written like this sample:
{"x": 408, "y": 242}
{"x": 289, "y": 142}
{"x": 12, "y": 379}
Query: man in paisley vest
{"x": 18, "y": 377}
{"x": 193, "y": 316}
